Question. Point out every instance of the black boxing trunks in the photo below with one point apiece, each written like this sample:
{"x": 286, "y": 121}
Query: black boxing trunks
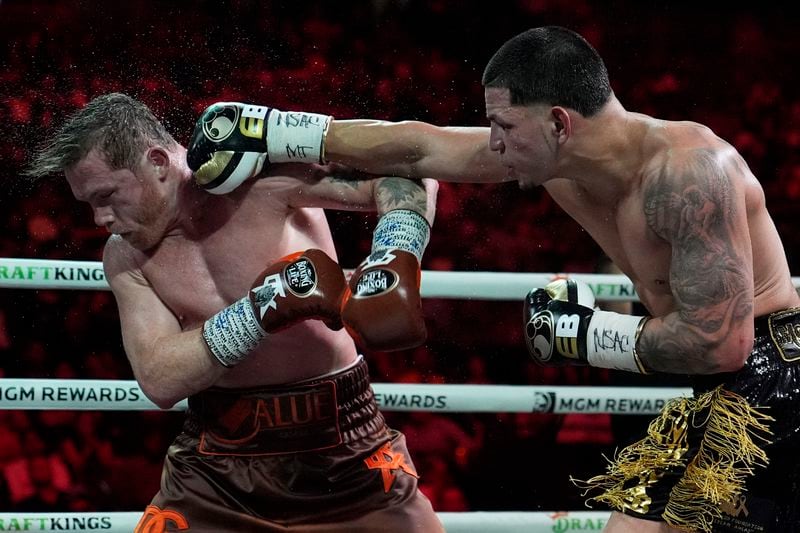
{"x": 725, "y": 460}
{"x": 311, "y": 456}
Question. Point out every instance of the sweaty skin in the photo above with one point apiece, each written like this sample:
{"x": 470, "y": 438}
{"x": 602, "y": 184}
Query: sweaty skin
{"x": 672, "y": 204}
{"x": 178, "y": 255}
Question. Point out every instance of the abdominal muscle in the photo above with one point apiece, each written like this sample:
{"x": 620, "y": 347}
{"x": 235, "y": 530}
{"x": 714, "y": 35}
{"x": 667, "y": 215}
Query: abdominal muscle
{"x": 301, "y": 352}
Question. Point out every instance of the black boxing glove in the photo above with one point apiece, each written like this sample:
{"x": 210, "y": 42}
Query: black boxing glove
{"x": 233, "y": 141}
{"x": 301, "y": 286}
{"x": 562, "y": 327}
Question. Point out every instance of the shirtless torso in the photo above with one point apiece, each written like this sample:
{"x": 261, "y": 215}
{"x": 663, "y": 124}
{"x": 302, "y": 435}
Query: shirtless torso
{"x": 674, "y": 206}
{"x": 625, "y": 231}
{"x": 234, "y": 238}
{"x": 178, "y": 255}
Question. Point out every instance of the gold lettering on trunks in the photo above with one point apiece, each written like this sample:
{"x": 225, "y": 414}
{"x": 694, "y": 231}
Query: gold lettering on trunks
{"x": 785, "y": 333}
{"x": 297, "y": 409}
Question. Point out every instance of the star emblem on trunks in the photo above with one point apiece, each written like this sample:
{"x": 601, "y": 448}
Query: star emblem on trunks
{"x": 389, "y": 462}
{"x": 264, "y": 295}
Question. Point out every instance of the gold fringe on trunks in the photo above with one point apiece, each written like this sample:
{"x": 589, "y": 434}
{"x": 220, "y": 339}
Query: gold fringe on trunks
{"x": 730, "y": 449}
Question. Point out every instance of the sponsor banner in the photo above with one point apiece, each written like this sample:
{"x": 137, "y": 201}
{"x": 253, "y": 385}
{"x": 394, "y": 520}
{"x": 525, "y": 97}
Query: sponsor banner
{"x": 105, "y": 522}
{"x": 614, "y": 400}
{"x": 117, "y": 395}
{"x": 470, "y": 522}
{"x": 520, "y": 399}
{"x": 123, "y": 395}
{"x": 515, "y": 285}
{"x": 57, "y": 274}
{"x": 569, "y": 522}
{"x": 527, "y": 522}
{"x": 48, "y": 274}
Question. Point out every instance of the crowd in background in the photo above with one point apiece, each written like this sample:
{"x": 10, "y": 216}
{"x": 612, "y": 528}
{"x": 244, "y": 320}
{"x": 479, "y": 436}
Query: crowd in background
{"x": 404, "y": 59}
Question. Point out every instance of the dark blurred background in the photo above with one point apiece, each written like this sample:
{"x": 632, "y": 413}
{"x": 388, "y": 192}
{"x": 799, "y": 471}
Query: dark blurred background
{"x": 721, "y": 64}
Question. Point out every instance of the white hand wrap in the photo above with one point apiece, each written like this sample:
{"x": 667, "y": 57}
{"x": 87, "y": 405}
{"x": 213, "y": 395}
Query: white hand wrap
{"x": 233, "y": 333}
{"x": 296, "y": 137}
{"x": 401, "y": 229}
{"x": 611, "y": 341}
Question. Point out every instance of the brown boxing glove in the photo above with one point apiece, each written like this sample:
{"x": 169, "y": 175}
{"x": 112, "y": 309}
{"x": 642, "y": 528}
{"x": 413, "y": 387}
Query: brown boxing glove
{"x": 381, "y": 307}
{"x": 301, "y": 286}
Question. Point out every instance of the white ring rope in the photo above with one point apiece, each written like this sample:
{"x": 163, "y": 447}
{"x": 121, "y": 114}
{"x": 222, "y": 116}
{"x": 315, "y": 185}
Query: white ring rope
{"x": 125, "y": 395}
{"x": 55, "y": 274}
{"x": 470, "y": 522}
{"x": 51, "y": 274}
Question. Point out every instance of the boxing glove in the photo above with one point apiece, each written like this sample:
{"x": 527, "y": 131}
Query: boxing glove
{"x": 233, "y": 141}
{"x": 561, "y": 327}
{"x": 301, "y": 286}
{"x": 382, "y": 306}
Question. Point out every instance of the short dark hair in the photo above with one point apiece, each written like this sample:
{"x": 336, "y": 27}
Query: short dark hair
{"x": 121, "y": 127}
{"x": 550, "y": 65}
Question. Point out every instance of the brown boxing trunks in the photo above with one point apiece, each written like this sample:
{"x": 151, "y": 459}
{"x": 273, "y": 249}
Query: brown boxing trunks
{"x": 311, "y": 456}
{"x": 724, "y": 461}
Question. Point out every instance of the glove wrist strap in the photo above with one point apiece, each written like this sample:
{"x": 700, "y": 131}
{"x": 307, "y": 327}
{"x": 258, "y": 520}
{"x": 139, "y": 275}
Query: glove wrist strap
{"x": 296, "y": 137}
{"x": 611, "y": 341}
{"x": 401, "y": 229}
{"x": 233, "y": 333}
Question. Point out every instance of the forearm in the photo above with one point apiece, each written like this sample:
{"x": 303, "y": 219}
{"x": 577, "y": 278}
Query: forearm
{"x": 175, "y": 367}
{"x": 674, "y": 345}
{"x": 402, "y": 193}
{"x": 415, "y": 150}
{"x": 374, "y": 146}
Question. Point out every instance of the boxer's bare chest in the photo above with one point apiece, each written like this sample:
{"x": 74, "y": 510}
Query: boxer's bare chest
{"x": 198, "y": 273}
{"x": 623, "y": 233}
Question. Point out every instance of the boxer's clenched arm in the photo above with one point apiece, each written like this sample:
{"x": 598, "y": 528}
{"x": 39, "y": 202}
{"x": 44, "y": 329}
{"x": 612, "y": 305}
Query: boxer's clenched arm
{"x": 415, "y": 150}
{"x": 168, "y": 364}
{"x": 334, "y": 187}
{"x": 171, "y": 364}
{"x": 382, "y": 307}
{"x": 696, "y": 205}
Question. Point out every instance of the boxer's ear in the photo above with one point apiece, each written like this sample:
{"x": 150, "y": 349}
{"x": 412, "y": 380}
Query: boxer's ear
{"x": 561, "y": 124}
{"x": 158, "y": 160}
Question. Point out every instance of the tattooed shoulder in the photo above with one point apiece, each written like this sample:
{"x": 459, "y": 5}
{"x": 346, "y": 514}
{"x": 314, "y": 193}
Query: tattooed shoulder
{"x": 691, "y": 191}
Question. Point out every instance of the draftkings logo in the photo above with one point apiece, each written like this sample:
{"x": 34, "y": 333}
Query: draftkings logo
{"x": 564, "y": 522}
{"x": 53, "y": 523}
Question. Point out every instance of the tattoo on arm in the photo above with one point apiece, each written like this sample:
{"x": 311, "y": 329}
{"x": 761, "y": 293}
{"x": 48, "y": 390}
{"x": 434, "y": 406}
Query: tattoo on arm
{"x": 352, "y": 183}
{"x": 401, "y": 193}
{"x": 692, "y": 205}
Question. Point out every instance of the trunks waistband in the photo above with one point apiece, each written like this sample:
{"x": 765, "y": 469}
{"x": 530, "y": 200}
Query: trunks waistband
{"x": 308, "y": 415}
{"x": 783, "y": 329}
{"x": 776, "y": 345}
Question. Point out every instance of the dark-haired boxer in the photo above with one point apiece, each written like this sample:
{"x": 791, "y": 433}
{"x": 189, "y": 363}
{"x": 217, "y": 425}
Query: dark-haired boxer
{"x": 681, "y": 214}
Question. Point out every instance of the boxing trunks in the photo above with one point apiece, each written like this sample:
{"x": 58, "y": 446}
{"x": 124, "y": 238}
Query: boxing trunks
{"x": 311, "y": 456}
{"x": 725, "y": 460}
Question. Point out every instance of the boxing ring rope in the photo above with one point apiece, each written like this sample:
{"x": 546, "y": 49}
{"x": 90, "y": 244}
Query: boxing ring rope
{"x": 125, "y": 395}
{"x": 119, "y": 395}
{"x": 487, "y": 522}
{"x": 88, "y": 275}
